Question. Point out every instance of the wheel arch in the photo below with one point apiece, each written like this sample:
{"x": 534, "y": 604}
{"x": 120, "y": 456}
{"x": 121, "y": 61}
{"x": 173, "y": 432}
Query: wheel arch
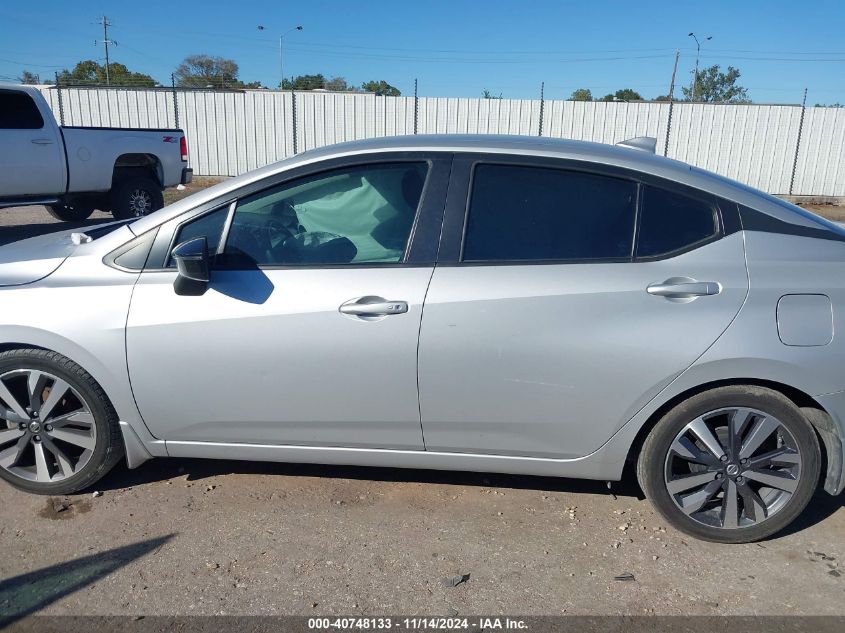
{"x": 830, "y": 436}
{"x": 148, "y": 162}
{"x": 135, "y": 448}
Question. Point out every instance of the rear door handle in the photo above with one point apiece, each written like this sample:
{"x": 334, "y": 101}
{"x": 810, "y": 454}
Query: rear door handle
{"x": 42, "y": 141}
{"x": 373, "y": 306}
{"x": 684, "y": 290}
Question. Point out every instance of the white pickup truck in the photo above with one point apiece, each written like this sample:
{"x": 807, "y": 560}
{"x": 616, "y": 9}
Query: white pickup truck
{"x": 74, "y": 170}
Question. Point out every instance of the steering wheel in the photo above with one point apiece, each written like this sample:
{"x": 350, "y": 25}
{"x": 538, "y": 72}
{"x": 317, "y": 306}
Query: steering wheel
{"x": 248, "y": 240}
{"x": 277, "y": 232}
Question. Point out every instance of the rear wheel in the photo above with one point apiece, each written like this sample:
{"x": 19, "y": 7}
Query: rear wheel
{"x": 74, "y": 211}
{"x": 135, "y": 196}
{"x": 58, "y": 432}
{"x": 731, "y": 465}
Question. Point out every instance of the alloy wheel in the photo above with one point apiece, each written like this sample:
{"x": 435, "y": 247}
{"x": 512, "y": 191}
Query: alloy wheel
{"x": 140, "y": 202}
{"x": 47, "y": 430}
{"x": 732, "y": 468}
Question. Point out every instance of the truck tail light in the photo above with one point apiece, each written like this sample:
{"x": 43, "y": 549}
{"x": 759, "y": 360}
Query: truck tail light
{"x": 183, "y": 147}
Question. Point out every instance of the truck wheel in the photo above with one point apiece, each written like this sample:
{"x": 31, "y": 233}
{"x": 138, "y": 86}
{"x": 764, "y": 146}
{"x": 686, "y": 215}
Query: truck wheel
{"x": 75, "y": 212}
{"x": 136, "y": 196}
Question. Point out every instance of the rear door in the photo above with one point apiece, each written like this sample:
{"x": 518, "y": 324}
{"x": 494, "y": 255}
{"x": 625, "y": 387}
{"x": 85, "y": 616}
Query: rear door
{"x": 566, "y": 296}
{"x": 32, "y": 158}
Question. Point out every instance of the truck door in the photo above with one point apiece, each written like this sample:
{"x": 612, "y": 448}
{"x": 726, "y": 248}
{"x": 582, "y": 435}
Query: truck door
{"x": 32, "y": 159}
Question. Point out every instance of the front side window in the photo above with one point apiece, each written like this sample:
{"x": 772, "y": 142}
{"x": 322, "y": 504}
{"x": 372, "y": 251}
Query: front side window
{"x": 19, "y": 112}
{"x": 521, "y": 213}
{"x": 352, "y": 215}
{"x": 672, "y": 222}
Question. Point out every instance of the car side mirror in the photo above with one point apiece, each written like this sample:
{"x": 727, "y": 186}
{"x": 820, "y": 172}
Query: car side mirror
{"x": 192, "y": 262}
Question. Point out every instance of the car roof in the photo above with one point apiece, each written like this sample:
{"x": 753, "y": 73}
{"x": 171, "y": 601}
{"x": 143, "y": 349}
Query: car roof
{"x": 505, "y": 144}
{"x": 614, "y": 155}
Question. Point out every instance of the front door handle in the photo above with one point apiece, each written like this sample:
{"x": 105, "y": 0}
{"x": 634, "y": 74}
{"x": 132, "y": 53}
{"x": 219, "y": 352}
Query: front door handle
{"x": 684, "y": 289}
{"x": 373, "y": 306}
{"x": 42, "y": 141}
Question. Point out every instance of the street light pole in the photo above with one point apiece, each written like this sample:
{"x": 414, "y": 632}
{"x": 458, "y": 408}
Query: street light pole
{"x": 695, "y": 74}
{"x": 281, "y": 51}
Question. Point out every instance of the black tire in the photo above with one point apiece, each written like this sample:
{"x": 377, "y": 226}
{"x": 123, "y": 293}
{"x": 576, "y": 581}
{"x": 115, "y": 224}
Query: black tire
{"x": 135, "y": 196}
{"x": 652, "y": 462}
{"x": 108, "y": 448}
{"x": 71, "y": 212}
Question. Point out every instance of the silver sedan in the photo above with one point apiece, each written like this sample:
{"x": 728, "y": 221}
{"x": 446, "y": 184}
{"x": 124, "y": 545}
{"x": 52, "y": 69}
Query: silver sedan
{"x": 519, "y": 305}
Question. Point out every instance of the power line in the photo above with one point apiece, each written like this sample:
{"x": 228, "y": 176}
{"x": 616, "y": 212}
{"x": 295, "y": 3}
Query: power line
{"x": 11, "y": 61}
{"x": 464, "y": 60}
{"x": 777, "y": 59}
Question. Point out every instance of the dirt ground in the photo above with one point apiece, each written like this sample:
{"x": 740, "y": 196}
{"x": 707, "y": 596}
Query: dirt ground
{"x": 180, "y": 537}
{"x": 836, "y": 213}
{"x": 184, "y": 537}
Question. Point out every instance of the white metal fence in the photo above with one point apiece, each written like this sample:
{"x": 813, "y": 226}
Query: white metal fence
{"x": 233, "y": 132}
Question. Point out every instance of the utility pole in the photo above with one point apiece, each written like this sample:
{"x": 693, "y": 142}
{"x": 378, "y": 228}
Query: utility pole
{"x": 104, "y": 21}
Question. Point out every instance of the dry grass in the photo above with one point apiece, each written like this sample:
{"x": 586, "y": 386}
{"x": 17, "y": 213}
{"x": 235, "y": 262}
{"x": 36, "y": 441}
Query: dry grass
{"x": 833, "y": 212}
{"x": 200, "y": 182}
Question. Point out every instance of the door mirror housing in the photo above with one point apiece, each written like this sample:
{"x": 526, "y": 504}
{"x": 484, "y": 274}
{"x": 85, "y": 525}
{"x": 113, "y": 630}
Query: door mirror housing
{"x": 192, "y": 262}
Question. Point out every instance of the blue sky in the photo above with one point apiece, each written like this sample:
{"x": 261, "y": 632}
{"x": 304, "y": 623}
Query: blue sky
{"x": 454, "y": 47}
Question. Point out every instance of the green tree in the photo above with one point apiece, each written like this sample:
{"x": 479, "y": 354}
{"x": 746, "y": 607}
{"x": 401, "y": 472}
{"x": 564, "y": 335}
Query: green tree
{"x": 625, "y": 94}
{"x": 305, "y": 82}
{"x": 661, "y": 98}
{"x": 92, "y": 73}
{"x": 27, "y": 77}
{"x": 206, "y": 71}
{"x": 489, "y": 95}
{"x": 582, "y": 94}
{"x": 381, "y": 88}
{"x": 717, "y": 87}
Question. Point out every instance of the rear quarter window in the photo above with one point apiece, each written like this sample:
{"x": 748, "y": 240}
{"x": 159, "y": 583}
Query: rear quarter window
{"x": 672, "y": 222}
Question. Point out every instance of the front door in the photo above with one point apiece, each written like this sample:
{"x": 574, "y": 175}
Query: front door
{"x": 31, "y": 158}
{"x": 307, "y": 334}
{"x": 553, "y": 326}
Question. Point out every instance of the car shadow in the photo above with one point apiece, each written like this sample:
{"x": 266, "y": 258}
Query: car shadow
{"x": 9, "y": 234}
{"x": 25, "y": 594}
{"x": 821, "y": 506}
{"x": 199, "y": 469}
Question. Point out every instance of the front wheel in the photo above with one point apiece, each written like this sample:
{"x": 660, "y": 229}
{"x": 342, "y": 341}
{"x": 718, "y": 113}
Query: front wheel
{"x": 58, "y": 432}
{"x": 135, "y": 196}
{"x": 732, "y": 465}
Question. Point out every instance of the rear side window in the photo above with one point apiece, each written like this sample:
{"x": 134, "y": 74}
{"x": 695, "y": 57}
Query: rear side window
{"x": 19, "y": 112}
{"x": 527, "y": 213}
{"x": 672, "y": 222}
